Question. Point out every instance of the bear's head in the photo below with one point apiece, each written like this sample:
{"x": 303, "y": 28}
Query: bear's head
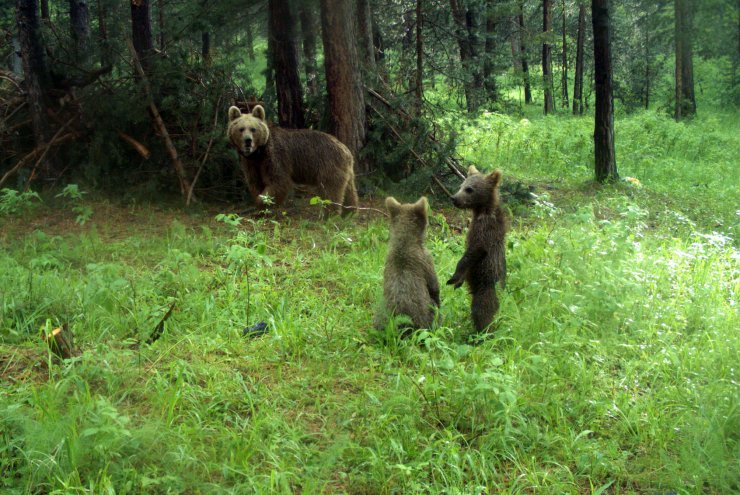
{"x": 248, "y": 131}
{"x": 478, "y": 191}
{"x": 408, "y": 221}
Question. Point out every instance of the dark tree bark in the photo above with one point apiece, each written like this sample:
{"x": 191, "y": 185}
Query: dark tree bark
{"x": 647, "y": 68}
{"x": 523, "y": 53}
{"x": 489, "y": 76}
{"x": 564, "y": 80}
{"x": 35, "y": 75}
{"x": 547, "y": 56}
{"x": 282, "y": 31}
{"x": 418, "y": 83}
{"x": 205, "y": 47}
{"x": 309, "y": 24}
{"x": 79, "y": 17}
{"x": 250, "y": 42}
{"x": 105, "y": 53}
{"x": 578, "y": 81}
{"x": 141, "y": 31}
{"x": 343, "y": 80}
{"x": 685, "y": 101}
{"x": 268, "y": 96}
{"x": 365, "y": 32}
{"x": 160, "y": 18}
{"x": 605, "y": 160}
{"x": 466, "y": 29}
{"x": 45, "y": 10}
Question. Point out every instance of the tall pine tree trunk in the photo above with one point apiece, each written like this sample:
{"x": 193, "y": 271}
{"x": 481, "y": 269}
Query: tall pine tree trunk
{"x": 309, "y": 23}
{"x": 35, "y": 75}
{"x": 489, "y": 75}
{"x": 343, "y": 79}
{"x": 365, "y": 35}
{"x": 281, "y": 23}
{"x": 578, "y": 79}
{"x": 105, "y": 52}
{"x": 685, "y": 101}
{"x": 250, "y": 42}
{"x": 523, "y": 52}
{"x": 141, "y": 31}
{"x": 79, "y": 17}
{"x": 205, "y": 47}
{"x": 418, "y": 83}
{"x": 547, "y": 56}
{"x": 160, "y": 20}
{"x": 605, "y": 160}
{"x": 45, "y": 10}
{"x": 564, "y": 80}
{"x": 466, "y": 30}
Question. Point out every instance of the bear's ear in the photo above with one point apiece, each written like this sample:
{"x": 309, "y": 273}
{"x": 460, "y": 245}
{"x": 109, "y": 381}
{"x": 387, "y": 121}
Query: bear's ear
{"x": 258, "y": 112}
{"x": 392, "y": 206}
{"x": 494, "y": 178}
{"x": 234, "y": 113}
{"x": 472, "y": 170}
{"x": 421, "y": 206}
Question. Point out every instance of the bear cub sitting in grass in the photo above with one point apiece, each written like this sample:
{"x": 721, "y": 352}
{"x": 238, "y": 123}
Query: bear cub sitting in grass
{"x": 484, "y": 262}
{"x": 274, "y": 159}
{"x": 410, "y": 285}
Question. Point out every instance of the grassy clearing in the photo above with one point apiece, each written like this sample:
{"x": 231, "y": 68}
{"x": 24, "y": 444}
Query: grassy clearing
{"x": 613, "y": 367}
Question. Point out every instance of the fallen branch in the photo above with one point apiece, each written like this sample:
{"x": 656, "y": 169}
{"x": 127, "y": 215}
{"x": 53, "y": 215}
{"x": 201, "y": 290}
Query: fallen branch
{"x": 159, "y": 124}
{"x": 159, "y": 329}
{"x": 205, "y": 156}
{"x": 60, "y": 342}
{"x": 140, "y": 148}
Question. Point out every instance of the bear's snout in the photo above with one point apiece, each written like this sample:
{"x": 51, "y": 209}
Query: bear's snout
{"x": 248, "y": 142}
{"x": 455, "y": 201}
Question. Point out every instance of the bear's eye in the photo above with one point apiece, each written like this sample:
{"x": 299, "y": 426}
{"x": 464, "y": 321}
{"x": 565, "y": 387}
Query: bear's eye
{"x": 469, "y": 190}
{"x": 241, "y": 129}
{"x": 252, "y": 129}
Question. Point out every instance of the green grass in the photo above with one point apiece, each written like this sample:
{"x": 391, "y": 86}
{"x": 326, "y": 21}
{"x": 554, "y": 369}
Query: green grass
{"x": 612, "y": 368}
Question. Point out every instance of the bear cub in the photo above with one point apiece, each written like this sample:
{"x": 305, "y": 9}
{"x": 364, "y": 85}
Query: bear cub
{"x": 410, "y": 285}
{"x": 484, "y": 262}
{"x": 273, "y": 159}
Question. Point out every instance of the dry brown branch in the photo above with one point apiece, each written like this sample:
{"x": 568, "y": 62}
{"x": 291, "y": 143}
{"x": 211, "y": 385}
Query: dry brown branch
{"x": 205, "y": 156}
{"x": 140, "y": 148}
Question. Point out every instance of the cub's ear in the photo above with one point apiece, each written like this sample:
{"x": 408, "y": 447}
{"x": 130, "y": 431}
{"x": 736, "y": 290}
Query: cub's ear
{"x": 472, "y": 170}
{"x": 494, "y": 178}
{"x": 421, "y": 206}
{"x": 234, "y": 113}
{"x": 259, "y": 112}
{"x": 392, "y": 206}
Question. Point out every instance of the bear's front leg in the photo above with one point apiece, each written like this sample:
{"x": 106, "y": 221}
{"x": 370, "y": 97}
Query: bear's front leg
{"x": 469, "y": 259}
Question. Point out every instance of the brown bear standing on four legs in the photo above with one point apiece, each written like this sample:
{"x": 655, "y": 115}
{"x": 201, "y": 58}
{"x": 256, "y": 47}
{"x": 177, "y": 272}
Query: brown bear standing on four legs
{"x": 410, "y": 285}
{"x": 274, "y": 159}
{"x": 484, "y": 261}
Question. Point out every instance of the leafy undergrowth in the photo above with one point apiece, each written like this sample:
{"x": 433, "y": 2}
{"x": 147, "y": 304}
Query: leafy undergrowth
{"x": 612, "y": 367}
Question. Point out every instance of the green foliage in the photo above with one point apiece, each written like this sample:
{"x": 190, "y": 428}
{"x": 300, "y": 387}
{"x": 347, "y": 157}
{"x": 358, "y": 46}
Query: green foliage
{"x": 72, "y": 193}
{"x": 13, "y": 202}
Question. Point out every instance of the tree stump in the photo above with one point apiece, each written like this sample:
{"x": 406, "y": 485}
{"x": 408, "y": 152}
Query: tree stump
{"x": 61, "y": 342}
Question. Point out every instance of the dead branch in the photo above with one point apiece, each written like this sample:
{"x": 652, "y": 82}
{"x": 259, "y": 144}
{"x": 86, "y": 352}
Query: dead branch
{"x": 205, "y": 156}
{"x": 140, "y": 148}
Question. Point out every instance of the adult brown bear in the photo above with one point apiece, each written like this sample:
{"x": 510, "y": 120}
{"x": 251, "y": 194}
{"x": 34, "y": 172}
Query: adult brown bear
{"x": 274, "y": 159}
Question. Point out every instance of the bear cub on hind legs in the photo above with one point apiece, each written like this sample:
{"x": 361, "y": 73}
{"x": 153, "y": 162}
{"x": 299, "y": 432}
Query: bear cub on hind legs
{"x": 410, "y": 285}
{"x": 484, "y": 261}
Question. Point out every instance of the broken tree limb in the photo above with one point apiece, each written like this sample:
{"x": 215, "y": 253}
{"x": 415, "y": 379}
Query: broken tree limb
{"x": 61, "y": 342}
{"x": 159, "y": 329}
{"x": 159, "y": 124}
{"x": 140, "y": 148}
{"x": 205, "y": 156}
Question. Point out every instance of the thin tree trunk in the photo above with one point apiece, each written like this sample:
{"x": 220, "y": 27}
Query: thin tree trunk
{"x": 79, "y": 17}
{"x": 379, "y": 51}
{"x": 647, "y": 68}
{"x": 564, "y": 83}
{"x": 269, "y": 95}
{"x": 605, "y": 160}
{"x": 308, "y": 32}
{"x": 365, "y": 39}
{"x": 35, "y": 75}
{"x": 105, "y": 55}
{"x": 523, "y": 52}
{"x": 685, "y": 101}
{"x": 418, "y": 88}
{"x": 547, "y": 56}
{"x": 285, "y": 62}
{"x": 45, "y": 10}
{"x": 205, "y": 47}
{"x": 466, "y": 28}
{"x": 343, "y": 80}
{"x": 160, "y": 15}
{"x": 489, "y": 75}
{"x": 250, "y": 42}
{"x": 141, "y": 30}
{"x": 578, "y": 80}
{"x": 516, "y": 56}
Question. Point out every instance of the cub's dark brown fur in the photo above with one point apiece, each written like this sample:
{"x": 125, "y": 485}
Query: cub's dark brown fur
{"x": 410, "y": 285}
{"x": 274, "y": 159}
{"x": 484, "y": 261}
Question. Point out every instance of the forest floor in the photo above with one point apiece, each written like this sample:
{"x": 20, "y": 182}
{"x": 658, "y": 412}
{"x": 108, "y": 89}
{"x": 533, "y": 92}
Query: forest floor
{"x": 612, "y": 367}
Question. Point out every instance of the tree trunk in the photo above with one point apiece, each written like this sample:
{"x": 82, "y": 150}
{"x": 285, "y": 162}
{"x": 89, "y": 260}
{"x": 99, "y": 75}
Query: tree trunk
{"x": 141, "y": 31}
{"x": 160, "y": 17}
{"x": 578, "y": 80}
{"x": 547, "y": 56}
{"x": 365, "y": 28}
{"x": 564, "y": 79}
{"x": 489, "y": 75}
{"x": 250, "y": 42}
{"x": 45, "y": 10}
{"x": 685, "y": 101}
{"x": 35, "y": 75}
{"x": 285, "y": 62}
{"x": 418, "y": 88}
{"x": 79, "y": 17}
{"x": 647, "y": 68}
{"x": 308, "y": 32}
{"x": 343, "y": 81}
{"x": 379, "y": 51}
{"x": 105, "y": 53}
{"x": 205, "y": 47}
{"x": 523, "y": 52}
{"x": 268, "y": 96}
{"x": 605, "y": 160}
{"x": 466, "y": 27}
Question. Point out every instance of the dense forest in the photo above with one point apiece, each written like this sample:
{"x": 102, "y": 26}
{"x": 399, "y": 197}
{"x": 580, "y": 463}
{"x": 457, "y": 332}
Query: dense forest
{"x": 172, "y": 321}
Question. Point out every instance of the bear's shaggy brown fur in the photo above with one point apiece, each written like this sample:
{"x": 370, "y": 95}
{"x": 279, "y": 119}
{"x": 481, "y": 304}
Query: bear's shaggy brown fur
{"x": 484, "y": 261}
{"x": 410, "y": 285}
{"x": 274, "y": 159}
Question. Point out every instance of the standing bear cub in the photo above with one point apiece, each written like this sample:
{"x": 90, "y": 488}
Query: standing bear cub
{"x": 484, "y": 261}
{"x": 410, "y": 285}
{"x": 274, "y": 159}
